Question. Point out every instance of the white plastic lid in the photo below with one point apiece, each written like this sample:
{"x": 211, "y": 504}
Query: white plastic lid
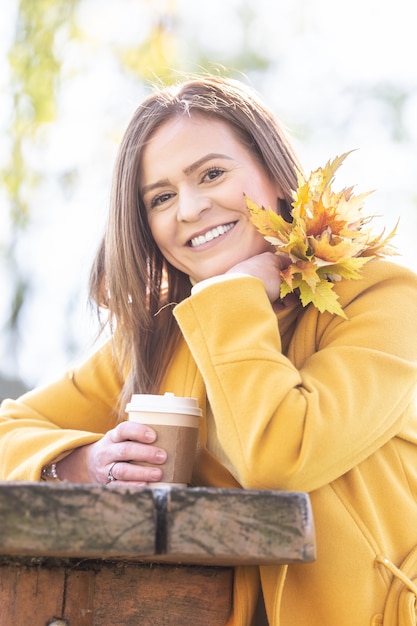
{"x": 168, "y": 403}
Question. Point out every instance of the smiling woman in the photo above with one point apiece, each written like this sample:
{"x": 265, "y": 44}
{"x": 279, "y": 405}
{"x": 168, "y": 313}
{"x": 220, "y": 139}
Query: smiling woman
{"x": 293, "y": 397}
{"x": 197, "y": 211}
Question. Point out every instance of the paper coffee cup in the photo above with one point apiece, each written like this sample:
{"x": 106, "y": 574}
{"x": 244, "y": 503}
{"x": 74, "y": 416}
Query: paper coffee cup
{"x": 175, "y": 420}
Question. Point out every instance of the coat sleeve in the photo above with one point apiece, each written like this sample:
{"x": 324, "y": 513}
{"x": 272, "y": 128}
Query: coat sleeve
{"x": 43, "y": 425}
{"x": 345, "y": 387}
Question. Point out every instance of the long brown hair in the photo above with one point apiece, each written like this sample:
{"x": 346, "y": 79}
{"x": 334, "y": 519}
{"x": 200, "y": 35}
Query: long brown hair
{"x": 130, "y": 277}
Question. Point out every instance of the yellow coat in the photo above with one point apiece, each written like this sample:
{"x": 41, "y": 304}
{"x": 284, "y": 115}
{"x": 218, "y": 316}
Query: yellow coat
{"x": 302, "y": 401}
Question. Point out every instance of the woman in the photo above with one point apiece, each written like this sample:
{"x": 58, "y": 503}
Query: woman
{"x": 294, "y": 399}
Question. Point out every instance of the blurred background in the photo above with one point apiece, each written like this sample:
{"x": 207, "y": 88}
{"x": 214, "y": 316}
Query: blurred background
{"x": 341, "y": 76}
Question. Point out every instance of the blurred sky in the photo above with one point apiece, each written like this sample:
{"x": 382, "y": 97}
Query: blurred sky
{"x": 325, "y": 57}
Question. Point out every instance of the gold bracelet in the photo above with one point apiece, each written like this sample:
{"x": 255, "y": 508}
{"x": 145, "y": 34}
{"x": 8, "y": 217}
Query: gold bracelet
{"x": 49, "y": 472}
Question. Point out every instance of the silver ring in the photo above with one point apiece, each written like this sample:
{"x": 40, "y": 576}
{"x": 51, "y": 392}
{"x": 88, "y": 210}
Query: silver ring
{"x": 110, "y": 477}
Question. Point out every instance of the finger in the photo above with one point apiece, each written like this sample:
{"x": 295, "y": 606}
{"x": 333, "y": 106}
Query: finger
{"x": 138, "y": 452}
{"x": 135, "y": 473}
{"x": 132, "y": 431}
{"x": 283, "y": 260}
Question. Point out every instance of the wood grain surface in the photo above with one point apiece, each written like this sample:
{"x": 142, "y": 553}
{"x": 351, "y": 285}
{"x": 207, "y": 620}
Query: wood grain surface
{"x": 199, "y": 526}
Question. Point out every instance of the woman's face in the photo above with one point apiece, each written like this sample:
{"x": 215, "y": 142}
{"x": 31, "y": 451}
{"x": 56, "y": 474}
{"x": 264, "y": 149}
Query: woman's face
{"x": 194, "y": 174}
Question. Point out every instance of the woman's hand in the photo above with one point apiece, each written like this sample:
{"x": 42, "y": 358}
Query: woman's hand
{"x": 267, "y": 267}
{"x": 128, "y": 442}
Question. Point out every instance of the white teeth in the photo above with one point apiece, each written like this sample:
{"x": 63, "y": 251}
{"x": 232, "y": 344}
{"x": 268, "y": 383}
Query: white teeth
{"x": 211, "y": 234}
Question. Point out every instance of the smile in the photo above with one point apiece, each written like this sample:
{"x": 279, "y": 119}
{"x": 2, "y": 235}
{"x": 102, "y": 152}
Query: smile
{"x": 211, "y": 234}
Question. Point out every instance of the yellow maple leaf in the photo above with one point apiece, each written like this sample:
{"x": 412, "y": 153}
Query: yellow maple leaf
{"x": 297, "y": 246}
{"x": 333, "y": 249}
{"x": 318, "y": 181}
{"x": 308, "y": 273}
{"x": 261, "y": 218}
{"x": 380, "y": 245}
{"x": 323, "y": 298}
{"x": 324, "y": 219}
{"x": 349, "y": 268}
{"x": 298, "y": 272}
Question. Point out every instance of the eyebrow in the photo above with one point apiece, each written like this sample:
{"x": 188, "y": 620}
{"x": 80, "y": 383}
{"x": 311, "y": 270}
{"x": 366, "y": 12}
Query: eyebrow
{"x": 187, "y": 170}
{"x": 212, "y": 155}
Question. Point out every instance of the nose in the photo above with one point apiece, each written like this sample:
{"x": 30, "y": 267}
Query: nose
{"x": 191, "y": 205}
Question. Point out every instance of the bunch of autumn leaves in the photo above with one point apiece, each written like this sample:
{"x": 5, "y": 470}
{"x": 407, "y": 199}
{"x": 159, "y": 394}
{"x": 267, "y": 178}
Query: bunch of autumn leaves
{"x": 326, "y": 240}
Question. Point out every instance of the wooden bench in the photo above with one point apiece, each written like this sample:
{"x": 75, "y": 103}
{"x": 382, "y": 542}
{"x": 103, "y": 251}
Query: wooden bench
{"x": 87, "y": 555}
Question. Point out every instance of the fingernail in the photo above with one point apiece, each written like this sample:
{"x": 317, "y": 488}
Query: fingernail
{"x": 161, "y": 456}
{"x": 156, "y": 473}
{"x": 150, "y": 436}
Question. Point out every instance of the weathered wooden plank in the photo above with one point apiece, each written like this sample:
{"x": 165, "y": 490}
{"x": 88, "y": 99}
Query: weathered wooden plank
{"x": 30, "y": 595}
{"x": 113, "y": 594}
{"x": 61, "y": 519}
{"x": 238, "y": 526}
{"x": 166, "y": 596}
{"x": 202, "y": 526}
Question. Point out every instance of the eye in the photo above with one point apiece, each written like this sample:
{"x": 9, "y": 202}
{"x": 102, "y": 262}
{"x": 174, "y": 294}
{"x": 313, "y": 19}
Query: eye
{"x": 212, "y": 174}
{"x": 157, "y": 201}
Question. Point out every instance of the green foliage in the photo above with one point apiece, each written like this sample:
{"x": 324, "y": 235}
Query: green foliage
{"x": 155, "y": 57}
{"x": 165, "y": 53}
{"x": 35, "y": 58}
{"x": 35, "y": 61}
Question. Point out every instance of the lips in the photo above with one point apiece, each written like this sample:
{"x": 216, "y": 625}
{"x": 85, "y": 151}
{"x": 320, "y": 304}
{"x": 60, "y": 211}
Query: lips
{"x": 211, "y": 234}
